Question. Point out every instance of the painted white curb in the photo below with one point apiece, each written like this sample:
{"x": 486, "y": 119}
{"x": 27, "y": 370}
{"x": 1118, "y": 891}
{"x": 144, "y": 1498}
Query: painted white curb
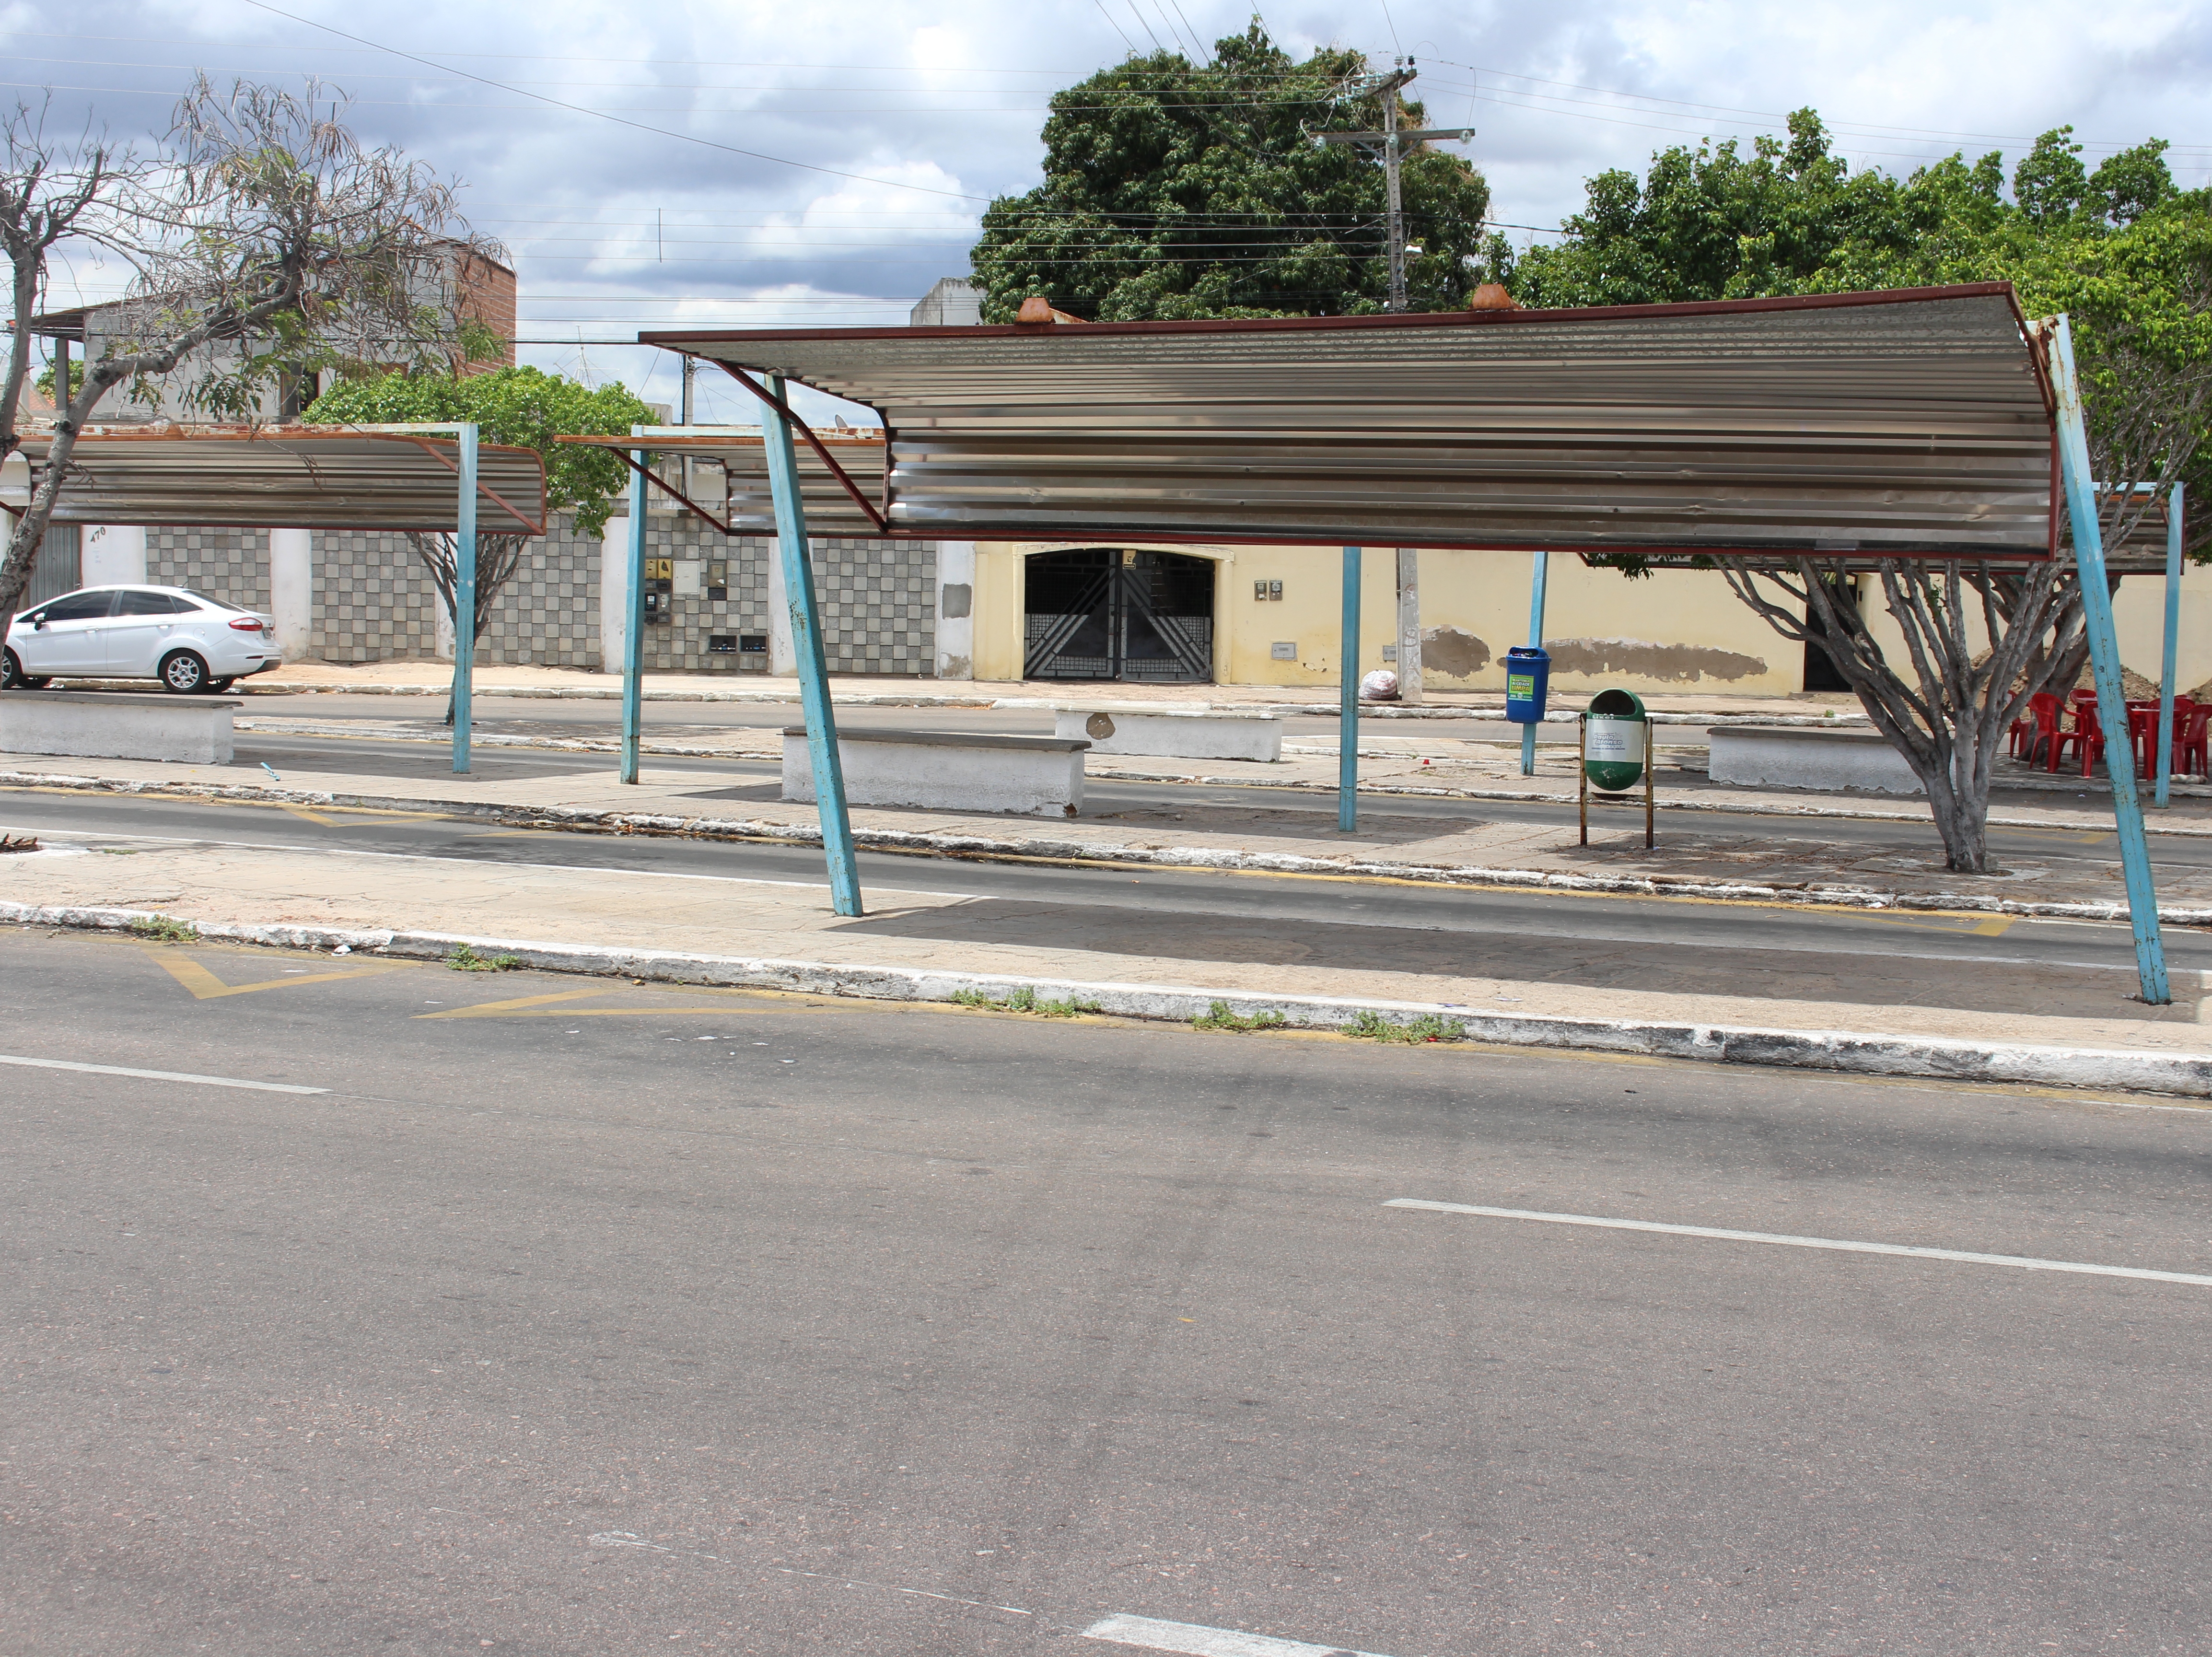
{"x": 2184, "y": 1075}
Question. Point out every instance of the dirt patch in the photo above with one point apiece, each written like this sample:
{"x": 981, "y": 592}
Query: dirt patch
{"x": 1672, "y": 664}
{"x": 1453, "y": 651}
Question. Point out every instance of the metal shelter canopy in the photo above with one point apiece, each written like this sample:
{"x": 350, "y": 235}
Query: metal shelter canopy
{"x": 1916, "y": 422}
{"x": 292, "y": 478}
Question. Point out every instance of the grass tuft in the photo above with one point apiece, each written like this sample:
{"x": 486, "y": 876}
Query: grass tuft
{"x": 1218, "y": 1016}
{"x": 1025, "y": 1000}
{"x": 1367, "y": 1026}
{"x": 163, "y": 928}
{"x": 465, "y": 959}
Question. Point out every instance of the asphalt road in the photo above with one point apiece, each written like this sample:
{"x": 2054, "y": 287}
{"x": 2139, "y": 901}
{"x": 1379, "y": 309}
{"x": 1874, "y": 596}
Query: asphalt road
{"x": 584, "y": 1317}
{"x": 1624, "y": 941}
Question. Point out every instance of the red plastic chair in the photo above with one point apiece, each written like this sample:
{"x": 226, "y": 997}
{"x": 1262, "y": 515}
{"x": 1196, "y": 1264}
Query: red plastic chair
{"x": 2189, "y": 739}
{"x": 2086, "y": 736}
{"x": 2024, "y": 739}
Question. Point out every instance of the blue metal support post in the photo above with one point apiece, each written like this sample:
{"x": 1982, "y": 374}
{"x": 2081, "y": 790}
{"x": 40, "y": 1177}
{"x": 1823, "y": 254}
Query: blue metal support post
{"x": 633, "y": 706}
{"x": 1347, "y": 727}
{"x": 2165, "y": 792}
{"x": 1538, "y": 574}
{"x": 465, "y": 599}
{"x": 2104, "y": 664}
{"x": 813, "y": 666}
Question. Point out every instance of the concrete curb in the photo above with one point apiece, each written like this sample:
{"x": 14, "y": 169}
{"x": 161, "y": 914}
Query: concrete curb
{"x": 1846, "y": 1052}
{"x": 1082, "y": 851}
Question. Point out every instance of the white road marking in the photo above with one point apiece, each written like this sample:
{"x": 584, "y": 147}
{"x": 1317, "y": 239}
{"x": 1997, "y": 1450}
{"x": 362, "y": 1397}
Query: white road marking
{"x": 2027, "y": 1262}
{"x": 1197, "y": 1642}
{"x": 159, "y": 1075}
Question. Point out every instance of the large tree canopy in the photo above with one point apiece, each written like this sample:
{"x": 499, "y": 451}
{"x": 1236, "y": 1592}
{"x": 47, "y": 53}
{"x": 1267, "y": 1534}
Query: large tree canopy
{"x": 520, "y": 407}
{"x": 1174, "y": 191}
{"x": 2120, "y": 249}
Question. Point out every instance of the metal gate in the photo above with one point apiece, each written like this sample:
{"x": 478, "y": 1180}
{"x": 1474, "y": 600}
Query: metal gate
{"x": 1107, "y": 612}
{"x": 57, "y": 567}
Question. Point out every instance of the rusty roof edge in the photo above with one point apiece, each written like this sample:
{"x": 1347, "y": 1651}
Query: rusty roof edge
{"x": 668, "y": 337}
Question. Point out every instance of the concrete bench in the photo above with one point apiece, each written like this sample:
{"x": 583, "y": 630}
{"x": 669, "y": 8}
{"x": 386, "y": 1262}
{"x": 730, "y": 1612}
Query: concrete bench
{"x": 1809, "y": 757}
{"x": 946, "y": 771}
{"x": 1173, "y": 733}
{"x": 94, "y": 725}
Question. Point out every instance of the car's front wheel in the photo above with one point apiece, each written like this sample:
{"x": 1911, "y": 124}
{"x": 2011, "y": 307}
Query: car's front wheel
{"x": 12, "y": 677}
{"x": 184, "y": 673}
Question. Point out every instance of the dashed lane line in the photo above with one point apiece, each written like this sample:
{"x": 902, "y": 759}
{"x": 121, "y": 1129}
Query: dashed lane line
{"x": 2023, "y": 1262}
{"x": 158, "y": 1075}
{"x": 1196, "y": 1641}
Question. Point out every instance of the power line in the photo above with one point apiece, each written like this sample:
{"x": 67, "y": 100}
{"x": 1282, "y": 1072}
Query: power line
{"x": 579, "y": 109}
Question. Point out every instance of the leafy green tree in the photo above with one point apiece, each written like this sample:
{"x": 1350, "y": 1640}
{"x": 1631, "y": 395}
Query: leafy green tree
{"x": 1174, "y": 191}
{"x": 2127, "y": 256}
{"x": 522, "y": 407}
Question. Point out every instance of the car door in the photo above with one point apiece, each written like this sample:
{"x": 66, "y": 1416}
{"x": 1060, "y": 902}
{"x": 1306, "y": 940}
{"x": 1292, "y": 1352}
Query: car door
{"x": 139, "y": 631}
{"x": 64, "y": 635}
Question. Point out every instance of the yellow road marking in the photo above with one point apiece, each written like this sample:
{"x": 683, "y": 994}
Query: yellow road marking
{"x": 310, "y": 816}
{"x": 540, "y": 1007}
{"x": 205, "y": 986}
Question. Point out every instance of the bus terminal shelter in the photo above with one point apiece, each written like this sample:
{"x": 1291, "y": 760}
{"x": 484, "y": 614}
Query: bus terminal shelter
{"x": 1923, "y": 423}
{"x": 429, "y": 478}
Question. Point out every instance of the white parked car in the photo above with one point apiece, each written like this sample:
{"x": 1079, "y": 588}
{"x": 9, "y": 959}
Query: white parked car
{"x": 186, "y": 640}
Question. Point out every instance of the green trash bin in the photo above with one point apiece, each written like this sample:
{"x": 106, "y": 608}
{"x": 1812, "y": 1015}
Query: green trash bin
{"x": 1615, "y": 741}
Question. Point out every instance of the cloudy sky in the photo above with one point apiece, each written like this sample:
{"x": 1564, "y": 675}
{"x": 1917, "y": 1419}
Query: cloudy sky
{"x": 807, "y": 161}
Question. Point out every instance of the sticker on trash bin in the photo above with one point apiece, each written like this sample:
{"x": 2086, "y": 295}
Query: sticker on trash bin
{"x": 1522, "y": 687}
{"x": 1613, "y": 741}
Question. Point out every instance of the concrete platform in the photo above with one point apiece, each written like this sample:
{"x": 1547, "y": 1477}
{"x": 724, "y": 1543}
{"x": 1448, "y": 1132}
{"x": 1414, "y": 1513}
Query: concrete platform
{"x": 195, "y": 730}
{"x": 1173, "y": 733}
{"x": 1807, "y": 757}
{"x": 946, "y": 771}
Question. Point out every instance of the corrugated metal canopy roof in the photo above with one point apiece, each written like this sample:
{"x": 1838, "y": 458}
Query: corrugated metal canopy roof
{"x": 292, "y": 478}
{"x": 1913, "y": 422}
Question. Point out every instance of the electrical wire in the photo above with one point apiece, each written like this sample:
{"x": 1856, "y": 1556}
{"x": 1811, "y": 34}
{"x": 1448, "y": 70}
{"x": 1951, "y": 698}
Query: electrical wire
{"x": 686, "y": 137}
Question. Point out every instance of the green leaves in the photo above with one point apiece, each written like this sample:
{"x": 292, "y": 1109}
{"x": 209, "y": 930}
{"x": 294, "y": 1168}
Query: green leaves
{"x": 1173, "y": 191}
{"x": 523, "y": 407}
{"x": 2118, "y": 249}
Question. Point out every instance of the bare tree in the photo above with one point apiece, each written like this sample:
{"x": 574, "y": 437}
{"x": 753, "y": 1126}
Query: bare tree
{"x": 53, "y": 192}
{"x": 1949, "y": 717}
{"x": 498, "y": 557}
{"x": 266, "y": 242}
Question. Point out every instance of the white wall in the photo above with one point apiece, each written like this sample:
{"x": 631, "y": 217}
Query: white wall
{"x": 956, "y": 609}
{"x": 292, "y": 590}
{"x": 112, "y": 555}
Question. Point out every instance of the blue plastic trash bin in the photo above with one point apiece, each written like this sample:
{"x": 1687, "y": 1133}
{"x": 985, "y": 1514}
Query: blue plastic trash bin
{"x": 1528, "y": 681}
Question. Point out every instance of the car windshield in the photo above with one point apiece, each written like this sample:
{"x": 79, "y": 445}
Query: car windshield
{"x": 212, "y": 604}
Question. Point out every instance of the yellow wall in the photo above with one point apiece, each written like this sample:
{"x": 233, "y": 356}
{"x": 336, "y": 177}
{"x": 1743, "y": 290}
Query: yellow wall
{"x": 1677, "y": 630}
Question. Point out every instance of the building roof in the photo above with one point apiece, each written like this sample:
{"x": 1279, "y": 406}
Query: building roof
{"x": 1912, "y": 421}
{"x": 291, "y": 477}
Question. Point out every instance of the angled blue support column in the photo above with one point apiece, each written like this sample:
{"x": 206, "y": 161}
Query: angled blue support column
{"x": 2173, "y": 500}
{"x": 813, "y": 665}
{"x": 633, "y": 712}
{"x": 2104, "y": 664}
{"x": 1538, "y": 576}
{"x": 1347, "y": 725}
{"x": 465, "y": 601}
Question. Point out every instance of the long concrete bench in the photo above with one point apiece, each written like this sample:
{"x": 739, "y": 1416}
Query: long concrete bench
{"x": 1809, "y": 757}
{"x": 1172, "y": 732}
{"x": 95, "y": 725}
{"x": 946, "y": 771}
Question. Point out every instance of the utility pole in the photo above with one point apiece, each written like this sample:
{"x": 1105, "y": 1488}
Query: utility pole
{"x": 1389, "y": 145}
{"x": 690, "y": 374}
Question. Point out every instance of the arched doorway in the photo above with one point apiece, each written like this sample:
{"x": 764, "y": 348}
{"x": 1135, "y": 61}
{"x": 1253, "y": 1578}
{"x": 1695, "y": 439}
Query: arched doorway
{"x": 1115, "y": 613}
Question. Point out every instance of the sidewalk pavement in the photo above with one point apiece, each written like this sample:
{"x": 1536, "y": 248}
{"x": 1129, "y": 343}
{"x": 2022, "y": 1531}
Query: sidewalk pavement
{"x": 1896, "y": 1014}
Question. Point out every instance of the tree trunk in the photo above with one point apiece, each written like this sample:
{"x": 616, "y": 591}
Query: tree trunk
{"x": 1949, "y": 718}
